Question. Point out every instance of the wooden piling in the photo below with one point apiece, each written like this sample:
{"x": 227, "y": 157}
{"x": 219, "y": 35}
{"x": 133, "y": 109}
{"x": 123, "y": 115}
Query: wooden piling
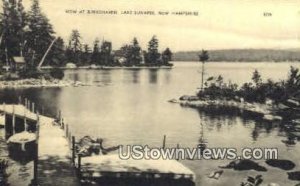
{"x": 28, "y": 104}
{"x": 33, "y": 107}
{"x": 59, "y": 116}
{"x": 73, "y": 149}
{"x": 79, "y": 166}
{"x": 35, "y": 162}
{"x": 62, "y": 123}
{"x": 67, "y": 130}
{"x": 164, "y": 142}
{"x": 13, "y": 120}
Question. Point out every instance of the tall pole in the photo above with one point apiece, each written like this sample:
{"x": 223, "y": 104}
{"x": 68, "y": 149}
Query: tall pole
{"x": 202, "y": 79}
{"x": 45, "y": 55}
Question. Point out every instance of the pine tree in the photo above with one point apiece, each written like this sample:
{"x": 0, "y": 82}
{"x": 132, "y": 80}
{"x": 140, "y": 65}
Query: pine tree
{"x": 13, "y": 22}
{"x": 57, "y": 54}
{"x": 85, "y": 57}
{"x": 167, "y": 56}
{"x": 153, "y": 55}
{"x": 95, "y": 58}
{"x": 203, "y": 57}
{"x": 75, "y": 47}
{"x": 40, "y": 35}
{"x": 136, "y": 53}
{"x": 105, "y": 54}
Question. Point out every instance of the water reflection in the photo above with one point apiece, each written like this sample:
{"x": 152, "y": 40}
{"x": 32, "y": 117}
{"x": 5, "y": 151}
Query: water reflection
{"x": 136, "y": 76}
{"x": 136, "y": 111}
{"x": 153, "y": 76}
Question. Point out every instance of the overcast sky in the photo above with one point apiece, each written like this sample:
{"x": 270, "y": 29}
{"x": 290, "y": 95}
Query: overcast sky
{"x": 220, "y": 25}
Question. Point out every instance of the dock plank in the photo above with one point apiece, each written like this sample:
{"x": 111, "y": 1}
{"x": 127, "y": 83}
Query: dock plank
{"x": 54, "y": 156}
{"x": 55, "y": 167}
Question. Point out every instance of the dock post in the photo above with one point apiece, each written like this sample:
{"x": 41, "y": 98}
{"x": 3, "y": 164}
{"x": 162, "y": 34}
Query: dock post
{"x": 59, "y": 115}
{"x": 164, "y": 142}
{"x": 67, "y": 130}
{"x": 13, "y": 120}
{"x": 79, "y": 166}
{"x": 4, "y": 107}
{"x": 19, "y": 100}
{"x": 62, "y": 123}
{"x": 36, "y": 158}
{"x": 33, "y": 107}
{"x": 73, "y": 149}
{"x": 28, "y": 104}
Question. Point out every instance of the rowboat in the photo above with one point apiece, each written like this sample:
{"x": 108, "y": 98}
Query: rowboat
{"x": 22, "y": 145}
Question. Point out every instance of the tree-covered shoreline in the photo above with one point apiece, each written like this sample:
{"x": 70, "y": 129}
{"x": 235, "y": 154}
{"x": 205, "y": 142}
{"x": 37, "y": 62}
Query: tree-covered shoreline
{"x": 28, "y": 42}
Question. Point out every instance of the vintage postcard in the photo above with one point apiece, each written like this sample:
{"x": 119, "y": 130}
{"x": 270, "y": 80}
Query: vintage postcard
{"x": 149, "y": 93}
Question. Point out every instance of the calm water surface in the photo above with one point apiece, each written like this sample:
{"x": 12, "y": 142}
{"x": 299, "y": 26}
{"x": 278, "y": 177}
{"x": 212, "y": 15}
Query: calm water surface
{"x": 130, "y": 107}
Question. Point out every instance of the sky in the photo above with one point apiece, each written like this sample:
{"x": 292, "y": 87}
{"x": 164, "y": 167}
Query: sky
{"x": 221, "y": 24}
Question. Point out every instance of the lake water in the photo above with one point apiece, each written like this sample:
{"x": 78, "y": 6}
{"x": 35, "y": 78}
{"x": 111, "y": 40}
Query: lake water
{"x": 130, "y": 107}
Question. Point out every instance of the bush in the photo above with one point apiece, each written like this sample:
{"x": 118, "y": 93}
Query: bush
{"x": 57, "y": 73}
{"x": 31, "y": 73}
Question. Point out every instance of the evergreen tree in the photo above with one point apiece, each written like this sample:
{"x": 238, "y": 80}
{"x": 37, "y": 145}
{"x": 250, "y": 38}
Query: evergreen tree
{"x": 135, "y": 53}
{"x": 203, "y": 57}
{"x": 105, "y": 54}
{"x": 256, "y": 78}
{"x": 40, "y": 35}
{"x": 13, "y": 23}
{"x": 75, "y": 47}
{"x": 85, "y": 56}
{"x": 167, "y": 56}
{"x": 57, "y": 54}
{"x": 152, "y": 56}
{"x": 95, "y": 58}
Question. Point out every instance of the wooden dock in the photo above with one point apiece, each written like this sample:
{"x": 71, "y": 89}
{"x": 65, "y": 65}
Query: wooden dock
{"x": 54, "y": 165}
{"x": 56, "y": 161}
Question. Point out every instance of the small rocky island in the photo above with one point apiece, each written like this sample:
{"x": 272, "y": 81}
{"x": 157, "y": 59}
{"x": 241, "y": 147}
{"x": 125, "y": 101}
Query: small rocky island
{"x": 269, "y": 100}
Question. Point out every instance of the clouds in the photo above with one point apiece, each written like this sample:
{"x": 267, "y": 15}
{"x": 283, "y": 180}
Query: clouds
{"x": 220, "y": 24}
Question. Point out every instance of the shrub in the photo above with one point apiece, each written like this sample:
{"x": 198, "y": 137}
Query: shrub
{"x": 31, "y": 73}
{"x": 57, "y": 73}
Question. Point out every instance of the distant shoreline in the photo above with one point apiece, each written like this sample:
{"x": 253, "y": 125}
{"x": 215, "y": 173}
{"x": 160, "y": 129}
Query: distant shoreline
{"x": 109, "y": 67}
{"x": 242, "y": 55}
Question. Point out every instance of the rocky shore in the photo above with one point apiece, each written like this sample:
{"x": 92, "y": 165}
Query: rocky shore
{"x": 25, "y": 83}
{"x": 264, "y": 111}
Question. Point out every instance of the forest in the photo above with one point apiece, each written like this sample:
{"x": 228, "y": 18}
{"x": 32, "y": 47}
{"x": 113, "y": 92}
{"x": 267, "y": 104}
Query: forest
{"x": 28, "y": 41}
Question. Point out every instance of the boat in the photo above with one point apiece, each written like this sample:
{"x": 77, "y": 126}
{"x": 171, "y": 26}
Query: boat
{"x": 22, "y": 145}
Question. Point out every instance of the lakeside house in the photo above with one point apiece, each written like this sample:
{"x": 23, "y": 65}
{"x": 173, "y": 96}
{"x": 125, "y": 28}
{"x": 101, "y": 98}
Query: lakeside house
{"x": 18, "y": 62}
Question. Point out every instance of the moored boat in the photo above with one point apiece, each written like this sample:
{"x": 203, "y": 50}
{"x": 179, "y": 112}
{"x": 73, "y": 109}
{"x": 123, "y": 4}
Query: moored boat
{"x": 22, "y": 145}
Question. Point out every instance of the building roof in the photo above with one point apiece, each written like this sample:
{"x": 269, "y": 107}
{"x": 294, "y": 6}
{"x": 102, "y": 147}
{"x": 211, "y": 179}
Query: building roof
{"x": 19, "y": 60}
